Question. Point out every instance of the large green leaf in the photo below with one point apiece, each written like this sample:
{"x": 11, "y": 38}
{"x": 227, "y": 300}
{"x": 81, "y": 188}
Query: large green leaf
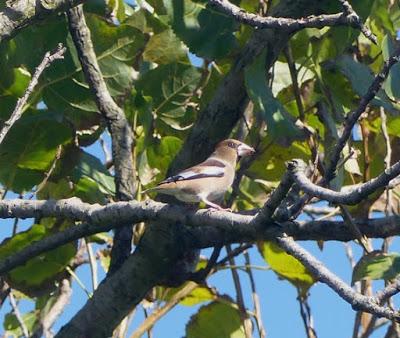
{"x": 287, "y": 267}
{"x": 30, "y": 148}
{"x": 392, "y": 82}
{"x": 271, "y": 163}
{"x": 64, "y": 88}
{"x": 37, "y": 274}
{"x": 360, "y": 77}
{"x": 170, "y": 88}
{"x": 216, "y": 319}
{"x": 164, "y": 48}
{"x": 207, "y": 33}
{"x": 161, "y": 153}
{"x": 12, "y": 326}
{"x": 377, "y": 265}
{"x": 91, "y": 173}
{"x": 280, "y": 124}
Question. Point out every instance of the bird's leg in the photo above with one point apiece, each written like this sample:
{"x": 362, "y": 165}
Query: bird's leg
{"x": 214, "y": 205}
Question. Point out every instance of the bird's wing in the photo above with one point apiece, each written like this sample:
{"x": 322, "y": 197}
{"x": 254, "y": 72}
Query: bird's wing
{"x": 196, "y": 173}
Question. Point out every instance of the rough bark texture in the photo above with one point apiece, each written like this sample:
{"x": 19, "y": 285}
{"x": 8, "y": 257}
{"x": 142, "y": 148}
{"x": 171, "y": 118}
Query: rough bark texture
{"x": 120, "y": 130}
{"x": 21, "y": 13}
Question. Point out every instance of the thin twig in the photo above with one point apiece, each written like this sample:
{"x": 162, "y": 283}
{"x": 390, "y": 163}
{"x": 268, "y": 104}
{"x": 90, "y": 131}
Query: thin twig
{"x": 356, "y": 300}
{"x": 47, "y": 321}
{"x": 48, "y": 173}
{"x": 295, "y": 84}
{"x": 256, "y": 299}
{"x": 306, "y": 316}
{"x": 354, "y": 228}
{"x": 92, "y": 264}
{"x": 239, "y": 295}
{"x": 149, "y": 322}
{"x": 18, "y": 315}
{"x": 49, "y": 57}
{"x": 353, "y": 117}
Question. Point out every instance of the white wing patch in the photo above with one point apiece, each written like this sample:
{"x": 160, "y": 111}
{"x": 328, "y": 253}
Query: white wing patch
{"x": 203, "y": 172}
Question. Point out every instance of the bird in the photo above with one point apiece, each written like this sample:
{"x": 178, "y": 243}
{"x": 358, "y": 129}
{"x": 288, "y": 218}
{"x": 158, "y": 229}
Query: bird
{"x": 209, "y": 180}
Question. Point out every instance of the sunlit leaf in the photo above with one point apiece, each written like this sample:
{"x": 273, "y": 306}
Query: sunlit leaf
{"x": 280, "y": 124}
{"x": 199, "y": 295}
{"x": 29, "y": 149}
{"x": 377, "y": 265}
{"x": 216, "y": 319}
{"x": 287, "y": 267}
{"x": 37, "y": 274}
{"x": 12, "y": 326}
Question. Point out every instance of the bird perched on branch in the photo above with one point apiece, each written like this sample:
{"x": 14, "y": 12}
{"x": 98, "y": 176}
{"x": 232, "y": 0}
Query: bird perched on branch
{"x": 209, "y": 180}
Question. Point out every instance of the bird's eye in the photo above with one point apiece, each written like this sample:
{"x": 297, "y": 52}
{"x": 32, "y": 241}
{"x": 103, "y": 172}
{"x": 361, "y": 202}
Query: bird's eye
{"x": 232, "y": 145}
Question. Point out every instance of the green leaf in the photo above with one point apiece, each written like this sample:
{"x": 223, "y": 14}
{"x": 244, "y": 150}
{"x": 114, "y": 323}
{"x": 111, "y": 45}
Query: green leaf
{"x": 392, "y": 82}
{"x": 169, "y": 86}
{"x": 37, "y": 274}
{"x": 287, "y": 267}
{"x": 199, "y": 295}
{"x": 12, "y": 327}
{"x": 164, "y": 48}
{"x": 161, "y": 153}
{"x": 63, "y": 86}
{"x": 91, "y": 171}
{"x": 30, "y": 148}
{"x": 216, "y": 319}
{"x": 360, "y": 77}
{"x": 105, "y": 258}
{"x": 207, "y": 33}
{"x": 377, "y": 265}
{"x": 270, "y": 164}
{"x": 280, "y": 124}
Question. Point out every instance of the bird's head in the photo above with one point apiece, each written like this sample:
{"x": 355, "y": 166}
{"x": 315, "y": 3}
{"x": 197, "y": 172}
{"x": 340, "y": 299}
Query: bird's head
{"x": 231, "y": 149}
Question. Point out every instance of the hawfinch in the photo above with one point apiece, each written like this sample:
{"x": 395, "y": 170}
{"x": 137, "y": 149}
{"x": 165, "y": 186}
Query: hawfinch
{"x": 209, "y": 180}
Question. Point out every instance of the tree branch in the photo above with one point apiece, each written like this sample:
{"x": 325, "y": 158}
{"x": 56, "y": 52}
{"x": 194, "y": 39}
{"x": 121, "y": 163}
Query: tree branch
{"x": 120, "y": 130}
{"x": 355, "y": 299}
{"x": 21, "y": 13}
{"x": 348, "y": 18}
{"x": 48, "y": 59}
{"x": 352, "y": 195}
{"x": 202, "y": 228}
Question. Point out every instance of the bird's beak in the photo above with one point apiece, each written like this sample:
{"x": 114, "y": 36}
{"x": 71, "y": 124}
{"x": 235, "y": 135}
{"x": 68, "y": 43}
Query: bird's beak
{"x": 245, "y": 150}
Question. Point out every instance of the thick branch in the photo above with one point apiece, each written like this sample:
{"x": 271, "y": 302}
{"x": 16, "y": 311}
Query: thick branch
{"x": 351, "y": 195}
{"x": 121, "y": 133}
{"x": 21, "y": 13}
{"x": 203, "y": 228}
{"x": 347, "y": 18}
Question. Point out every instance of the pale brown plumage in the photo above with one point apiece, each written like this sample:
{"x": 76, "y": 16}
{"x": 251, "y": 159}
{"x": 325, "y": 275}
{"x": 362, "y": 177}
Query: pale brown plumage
{"x": 208, "y": 180}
